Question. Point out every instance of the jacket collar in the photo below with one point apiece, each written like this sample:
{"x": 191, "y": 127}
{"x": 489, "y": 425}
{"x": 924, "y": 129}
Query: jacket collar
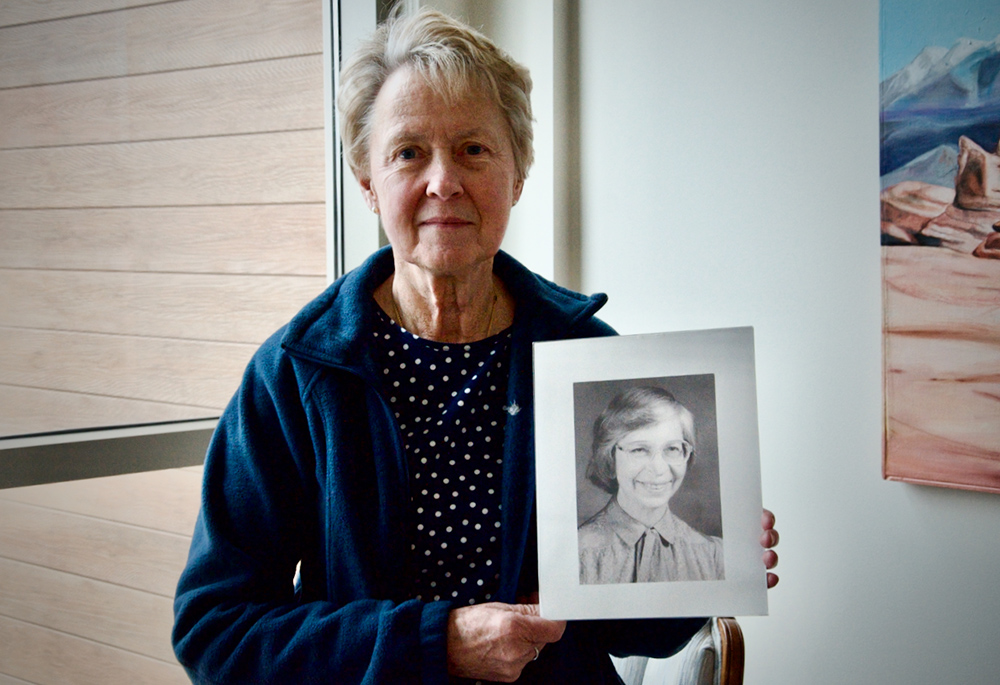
{"x": 332, "y": 329}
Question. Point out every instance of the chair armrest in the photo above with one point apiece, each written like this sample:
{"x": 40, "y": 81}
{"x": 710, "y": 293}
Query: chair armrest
{"x": 730, "y": 653}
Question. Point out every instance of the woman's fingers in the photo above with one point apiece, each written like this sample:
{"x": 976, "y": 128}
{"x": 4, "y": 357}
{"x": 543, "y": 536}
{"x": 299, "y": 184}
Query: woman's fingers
{"x": 495, "y": 641}
{"x": 768, "y": 539}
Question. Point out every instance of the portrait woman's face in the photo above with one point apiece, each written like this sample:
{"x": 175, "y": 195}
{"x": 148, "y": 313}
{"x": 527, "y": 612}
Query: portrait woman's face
{"x": 650, "y": 464}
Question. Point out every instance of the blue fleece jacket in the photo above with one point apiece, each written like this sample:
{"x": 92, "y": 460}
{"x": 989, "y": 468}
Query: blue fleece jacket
{"x": 307, "y": 467}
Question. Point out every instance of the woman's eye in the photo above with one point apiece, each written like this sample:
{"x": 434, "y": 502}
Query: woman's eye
{"x": 639, "y": 451}
{"x": 674, "y": 449}
{"x": 408, "y": 153}
{"x": 474, "y": 149}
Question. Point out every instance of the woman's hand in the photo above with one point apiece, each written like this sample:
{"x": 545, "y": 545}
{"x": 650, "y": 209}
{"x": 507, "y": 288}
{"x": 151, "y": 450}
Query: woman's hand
{"x": 495, "y": 641}
{"x": 768, "y": 539}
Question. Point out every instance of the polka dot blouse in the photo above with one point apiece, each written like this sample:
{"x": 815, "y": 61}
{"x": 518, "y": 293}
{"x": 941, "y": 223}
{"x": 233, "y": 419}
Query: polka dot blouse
{"x": 448, "y": 400}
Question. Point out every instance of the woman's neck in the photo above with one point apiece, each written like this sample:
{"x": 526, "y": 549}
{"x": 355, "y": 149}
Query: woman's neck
{"x": 446, "y": 308}
{"x": 648, "y": 516}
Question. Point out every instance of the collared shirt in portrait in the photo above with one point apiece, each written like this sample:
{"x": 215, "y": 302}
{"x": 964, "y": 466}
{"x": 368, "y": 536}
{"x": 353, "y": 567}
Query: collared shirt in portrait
{"x": 616, "y": 548}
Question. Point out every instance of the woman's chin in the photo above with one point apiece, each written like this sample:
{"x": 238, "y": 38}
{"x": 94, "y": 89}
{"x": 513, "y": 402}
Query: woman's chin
{"x": 644, "y": 507}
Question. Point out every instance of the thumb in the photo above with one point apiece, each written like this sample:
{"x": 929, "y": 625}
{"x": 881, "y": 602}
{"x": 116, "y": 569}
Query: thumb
{"x": 540, "y": 629}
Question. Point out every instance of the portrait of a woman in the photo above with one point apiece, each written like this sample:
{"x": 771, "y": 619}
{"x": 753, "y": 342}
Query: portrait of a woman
{"x": 644, "y": 443}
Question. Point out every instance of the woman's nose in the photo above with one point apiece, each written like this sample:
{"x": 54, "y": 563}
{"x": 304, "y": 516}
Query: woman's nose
{"x": 443, "y": 178}
{"x": 659, "y": 463}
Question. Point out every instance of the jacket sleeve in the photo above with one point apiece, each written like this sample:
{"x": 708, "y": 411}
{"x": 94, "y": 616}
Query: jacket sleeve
{"x": 239, "y": 616}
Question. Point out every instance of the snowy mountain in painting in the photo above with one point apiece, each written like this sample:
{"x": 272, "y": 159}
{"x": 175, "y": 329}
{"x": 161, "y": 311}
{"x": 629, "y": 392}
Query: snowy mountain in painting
{"x": 967, "y": 75}
{"x": 941, "y": 95}
{"x": 937, "y": 167}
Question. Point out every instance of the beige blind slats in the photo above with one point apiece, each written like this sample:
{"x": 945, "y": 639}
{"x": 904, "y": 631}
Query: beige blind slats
{"x": 245, "y": 98}
{"x": 195, "y": 373}
{"x": 24, "y": 411}
{"x": 159, "y": 500}
{"x": 49, "y": 657}
{"x": 28, "y": 11}
{"x": 137, "y": 558}
{"x": 161, "y": 213}
{"x": 156, "y": 38}
{"x": 221, "y": 308}
{"x": 277, "y": 239}
{"x": 250, "y": 169}
{"x": 81, "y": 606}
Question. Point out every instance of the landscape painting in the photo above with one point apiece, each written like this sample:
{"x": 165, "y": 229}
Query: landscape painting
{"x": 940, "y": 236}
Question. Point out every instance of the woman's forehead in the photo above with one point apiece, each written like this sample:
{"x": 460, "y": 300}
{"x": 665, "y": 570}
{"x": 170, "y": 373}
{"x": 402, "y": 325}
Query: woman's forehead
{"x": 409, "y": 104}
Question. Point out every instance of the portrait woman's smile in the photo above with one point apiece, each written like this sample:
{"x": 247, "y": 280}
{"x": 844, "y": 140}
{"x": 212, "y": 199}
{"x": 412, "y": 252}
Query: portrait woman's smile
{"x": 650, "y": 464}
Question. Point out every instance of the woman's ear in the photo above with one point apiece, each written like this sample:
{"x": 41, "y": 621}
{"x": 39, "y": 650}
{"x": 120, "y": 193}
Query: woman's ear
{"x": 369, "y": 194}
{"x": 518, "y": 187}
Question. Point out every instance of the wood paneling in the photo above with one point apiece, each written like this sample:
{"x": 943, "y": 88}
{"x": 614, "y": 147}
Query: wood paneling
{"x": 30, "y": 410}
{"x": 275, "y": 95}
{"x": 162, "y": 37}
{"x": 246, "y": 169}
{"x": 263, "y": 239}
{"x": 87, "y": 573}
{"x": 87, "y": 608}
{"x": 161, "y": 181}
{"x": 200, "y": 306}
{"x": 193, "y": 373}
{"x": 44, "y": 656}
{"x": 159, "y": 500}
{"x": 137, "y": 558}
{"x": 28, "y": 11}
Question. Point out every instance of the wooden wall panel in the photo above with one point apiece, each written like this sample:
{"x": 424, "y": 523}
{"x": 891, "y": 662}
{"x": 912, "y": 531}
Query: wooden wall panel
{"x": 137, "y": 558}
{"x": 284, "y": 239}
{"x": 47, "y": 657}
{"x": 167, "y": 158}
{"x": 28, "y": 11}
{"x": 25, "y": 411}
{"x": 283, "y": 94}
{"x": 87, "y": 572}
{"x": 162, "y": 37}
{"x": 250, "y": 169}
{"x": 87, "y": 608}
{"x": 159, "y": 500}
{"x": 191, "y": 373}
{"x": 188, "y": 306}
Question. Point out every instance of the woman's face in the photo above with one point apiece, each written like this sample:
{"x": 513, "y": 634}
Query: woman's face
{"x": 442, "y": 175}
{"x": 647, "y": 466}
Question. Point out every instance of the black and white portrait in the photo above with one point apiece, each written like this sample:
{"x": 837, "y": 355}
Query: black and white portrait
{"x": 640, "y": 444}
{"x": 648, "y": 476}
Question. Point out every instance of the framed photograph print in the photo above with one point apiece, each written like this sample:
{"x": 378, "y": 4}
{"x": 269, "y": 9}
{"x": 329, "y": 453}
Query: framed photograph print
{"x": 648, "y": 476}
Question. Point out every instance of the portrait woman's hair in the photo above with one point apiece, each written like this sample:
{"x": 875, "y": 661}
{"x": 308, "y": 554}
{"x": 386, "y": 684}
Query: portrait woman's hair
{"x": 453, "y": 58}
{"x": 631, "y": 410}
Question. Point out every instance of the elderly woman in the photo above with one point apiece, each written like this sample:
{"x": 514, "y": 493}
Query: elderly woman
{"x": 373, "y": 444}
{"x": 644, "y": 442}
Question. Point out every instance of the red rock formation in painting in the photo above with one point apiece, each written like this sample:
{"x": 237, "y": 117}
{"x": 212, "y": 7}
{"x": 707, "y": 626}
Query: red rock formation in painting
{"x": 941, "y": 304}
{"x": 960, "y": 219}
{"x": 990, "y": 249}
{"x": 977, "y": 185}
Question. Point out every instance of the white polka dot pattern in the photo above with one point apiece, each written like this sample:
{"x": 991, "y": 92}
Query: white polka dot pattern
{"x": 448, "y": 400}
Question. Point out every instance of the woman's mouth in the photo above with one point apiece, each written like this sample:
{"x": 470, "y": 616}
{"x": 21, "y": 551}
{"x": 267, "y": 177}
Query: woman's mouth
{"x": 654, "y": 487}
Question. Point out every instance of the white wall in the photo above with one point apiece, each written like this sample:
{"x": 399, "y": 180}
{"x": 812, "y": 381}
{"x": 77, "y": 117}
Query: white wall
{"x": 730, "y": 177}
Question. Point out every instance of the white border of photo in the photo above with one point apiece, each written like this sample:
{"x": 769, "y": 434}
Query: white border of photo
{"x": 726, "y": 353}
